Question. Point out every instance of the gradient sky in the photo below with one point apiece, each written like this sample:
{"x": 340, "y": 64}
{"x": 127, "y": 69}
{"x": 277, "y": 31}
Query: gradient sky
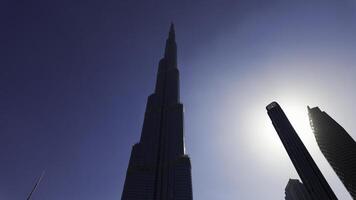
{"x": 75, "y": 76}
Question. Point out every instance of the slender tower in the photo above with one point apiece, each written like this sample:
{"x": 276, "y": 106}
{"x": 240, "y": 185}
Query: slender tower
{"x": 337, "y": 146}
{"x": 308, "y": 171}
{"x": 158, "y": 168}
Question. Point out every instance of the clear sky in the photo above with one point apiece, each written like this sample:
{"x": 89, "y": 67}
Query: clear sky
{"x": 75, "y": 76}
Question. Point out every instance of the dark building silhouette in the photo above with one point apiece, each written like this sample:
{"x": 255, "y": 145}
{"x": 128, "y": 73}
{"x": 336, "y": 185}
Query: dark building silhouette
{"x": 337, "y": 146}
{"x": 295, "y": 190}
{"x": 158, "y": 168}
{"x": 308, "y": 171}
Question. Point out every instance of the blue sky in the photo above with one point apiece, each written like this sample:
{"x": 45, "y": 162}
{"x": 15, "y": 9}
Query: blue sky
{"x": 75, "y": 76}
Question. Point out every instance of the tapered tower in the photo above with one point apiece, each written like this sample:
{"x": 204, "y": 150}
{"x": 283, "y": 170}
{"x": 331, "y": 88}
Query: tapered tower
{"x": 159, "y": 168}
{"x": 337, "y": 146}
{"x": 308, "y": 171}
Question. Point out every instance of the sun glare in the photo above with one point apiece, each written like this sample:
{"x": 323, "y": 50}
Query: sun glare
{"x": 298, "y": 116}
{"x": 263, "y": 139}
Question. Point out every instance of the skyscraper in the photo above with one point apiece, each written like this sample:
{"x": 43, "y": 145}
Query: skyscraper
{"x": 295, "y": 190}
{"x": 308, "y": 171}
{"x": 337, "y": 146}
{"x": 159, "y": 168}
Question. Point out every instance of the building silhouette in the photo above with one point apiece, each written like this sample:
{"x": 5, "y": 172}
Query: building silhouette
{"x": 308, "y": 171}
{"x": 337, "y": 146}
{"x": 159, "y": 168}
{"x": 295, "y": 190}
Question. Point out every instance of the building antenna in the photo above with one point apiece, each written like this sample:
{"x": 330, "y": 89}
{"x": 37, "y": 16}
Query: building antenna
{"x": 36, "y": 185}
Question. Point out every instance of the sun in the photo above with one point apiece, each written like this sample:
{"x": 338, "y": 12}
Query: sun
{"x": 298, "y": 116}
{"x": 262, "y": 139}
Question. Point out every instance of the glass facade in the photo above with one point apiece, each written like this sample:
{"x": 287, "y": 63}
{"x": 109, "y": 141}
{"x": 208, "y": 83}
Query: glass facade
{"x": 337, "y": 146}
{"x": 308, "y": 171}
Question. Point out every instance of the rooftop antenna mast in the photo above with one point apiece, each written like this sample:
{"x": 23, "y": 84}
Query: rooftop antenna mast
{"x": 36, "y": 185}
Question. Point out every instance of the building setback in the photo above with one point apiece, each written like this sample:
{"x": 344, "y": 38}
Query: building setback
{"x": 308, "y": 171}
{"x": 295, "y": 190}
{"x": 337, "y": 146}
{"x": 158, "y": 168}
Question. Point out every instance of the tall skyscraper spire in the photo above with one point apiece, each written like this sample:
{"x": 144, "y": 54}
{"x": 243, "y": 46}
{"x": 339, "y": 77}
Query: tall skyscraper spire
{"x": 308, "y": 171}
{"x": 337, "y": 146}
{"x": 170, "y": 53}
{"x": 158, "y": 168}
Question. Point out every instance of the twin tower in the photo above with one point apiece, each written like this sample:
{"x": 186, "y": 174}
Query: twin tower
{"x": 335, "y": 143}
{"x": 159, "y": 169}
